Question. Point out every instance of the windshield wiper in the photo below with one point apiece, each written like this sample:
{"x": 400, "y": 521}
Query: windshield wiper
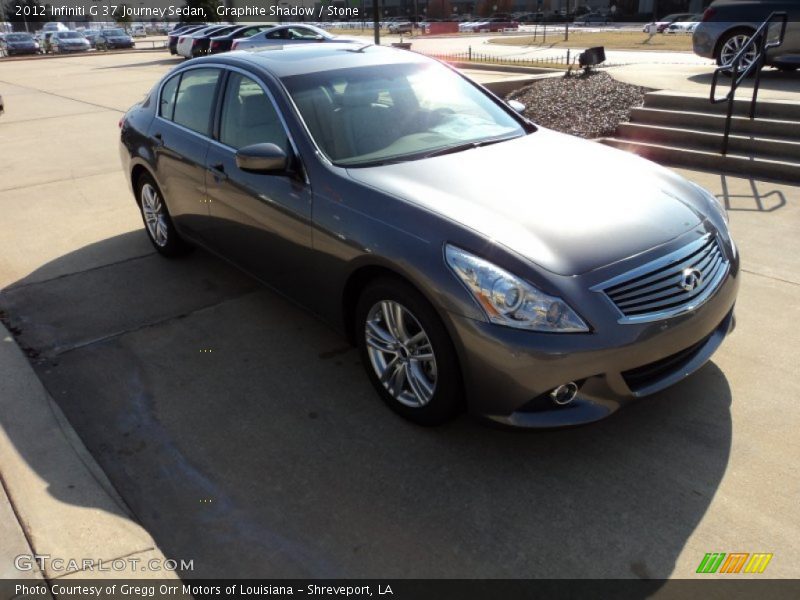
{"x": 467, "y": 146}
{"x": 441, "y": 151}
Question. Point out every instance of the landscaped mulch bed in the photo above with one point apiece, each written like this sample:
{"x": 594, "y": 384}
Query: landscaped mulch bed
{"x": 587, "y": 105}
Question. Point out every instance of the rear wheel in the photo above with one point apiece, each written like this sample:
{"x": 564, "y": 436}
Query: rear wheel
{"x": 157, "y": 220}
{"x": 731, "y": 45}
{"x": 407, "y": 353}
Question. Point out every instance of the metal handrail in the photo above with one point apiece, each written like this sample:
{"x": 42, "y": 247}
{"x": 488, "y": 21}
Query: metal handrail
{"x": 758, "y": 39}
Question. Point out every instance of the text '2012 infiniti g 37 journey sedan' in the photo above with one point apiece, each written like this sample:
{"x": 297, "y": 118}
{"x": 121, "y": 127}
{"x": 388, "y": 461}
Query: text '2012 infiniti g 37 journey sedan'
{"x": 438, "y": 229}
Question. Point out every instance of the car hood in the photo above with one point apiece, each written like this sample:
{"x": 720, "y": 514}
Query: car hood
{"x": 566, "y": 204}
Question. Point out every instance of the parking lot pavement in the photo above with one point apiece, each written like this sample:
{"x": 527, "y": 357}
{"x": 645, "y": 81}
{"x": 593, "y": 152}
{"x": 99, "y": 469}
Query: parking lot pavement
{"x": 243, "y": 434}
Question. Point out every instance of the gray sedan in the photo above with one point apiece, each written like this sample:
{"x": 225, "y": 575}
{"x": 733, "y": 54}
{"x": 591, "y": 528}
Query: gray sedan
{"x": 728, "y": 25}
{"x": 287, "y": 35}
{"x": 445, "y": 235}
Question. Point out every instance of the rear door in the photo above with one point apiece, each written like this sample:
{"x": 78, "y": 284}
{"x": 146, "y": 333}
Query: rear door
{"x": 262, "y": 221}
{"x": 181, "y": 133}
{"x": 791, "y": 43}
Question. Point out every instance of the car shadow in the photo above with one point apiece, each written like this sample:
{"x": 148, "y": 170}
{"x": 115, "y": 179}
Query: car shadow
{"x": 244, "y": 435}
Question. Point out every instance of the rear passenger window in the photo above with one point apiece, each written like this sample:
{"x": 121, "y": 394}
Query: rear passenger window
{"x": 195, "y": 98}
{"x": 167, "y": 106}
{"x": 248, "y": 116}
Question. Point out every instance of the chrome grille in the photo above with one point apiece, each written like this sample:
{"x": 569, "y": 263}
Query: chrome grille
{"x": 664, "y": 287}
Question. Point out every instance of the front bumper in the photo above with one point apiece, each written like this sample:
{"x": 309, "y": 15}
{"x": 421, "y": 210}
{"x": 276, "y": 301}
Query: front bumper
{"x": 509, "y": 373}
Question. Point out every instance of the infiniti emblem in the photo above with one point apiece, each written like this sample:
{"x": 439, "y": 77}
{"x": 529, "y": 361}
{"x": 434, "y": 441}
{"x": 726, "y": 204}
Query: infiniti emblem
{"x": 690, "y": 279}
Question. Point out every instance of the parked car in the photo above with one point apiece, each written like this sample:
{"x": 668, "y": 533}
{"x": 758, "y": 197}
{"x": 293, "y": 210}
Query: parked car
{"x": 196, "y": 44}
{"x": 108, "y": 39}
{"x": 67, "y": 41}
{"x": 287, "y": 35}
{"x": 177, "y": 32}
{"x": 592, "y": 19}
{"x": 223, "y": 43}
{"x": 91, "y": 36}
{"x": 727, "y": 26}
{"x": 401, "y": 27}
{"x": 54, "y": 26}
{"x": 662, "y": 24}
{"x": 687, "y": 26}
{"x": 19, "y": 43}
{"x": 138, "y": 30}
{"x": 352, "y": 178}
{"x": 491, "y": 24}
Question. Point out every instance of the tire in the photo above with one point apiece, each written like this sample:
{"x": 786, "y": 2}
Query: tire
{"x": 426, "y": 391}
{"x": 729, "y": 44}
{"x": 786, "y": 68}
{"x": 157, "y": 222}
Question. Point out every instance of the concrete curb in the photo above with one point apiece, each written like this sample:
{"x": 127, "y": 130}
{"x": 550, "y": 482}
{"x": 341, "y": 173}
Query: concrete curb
{"x": 80, "y": 54}
{"x": 65, "y": 504}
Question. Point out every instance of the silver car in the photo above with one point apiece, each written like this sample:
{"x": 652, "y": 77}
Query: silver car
{"x": 287, "y": 35}
{"x": 68, "y": 41}
{"x": 727, "y": 26}
{"x": 449, "y": 238}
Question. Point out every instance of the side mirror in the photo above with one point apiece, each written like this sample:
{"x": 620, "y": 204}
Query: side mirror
{"x": 261, "y": 158}
{"x": 517, "y": 106}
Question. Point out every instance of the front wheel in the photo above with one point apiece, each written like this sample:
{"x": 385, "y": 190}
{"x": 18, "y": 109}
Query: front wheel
{"x": 157, "y": 220}
{"x": 407, "y": 353}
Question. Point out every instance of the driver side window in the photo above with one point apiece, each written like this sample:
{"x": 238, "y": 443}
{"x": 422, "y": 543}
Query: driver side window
{"x": 249, "y": 117}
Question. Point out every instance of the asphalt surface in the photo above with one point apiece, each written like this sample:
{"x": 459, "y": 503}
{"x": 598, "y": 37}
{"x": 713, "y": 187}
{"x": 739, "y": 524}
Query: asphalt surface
{"x": 244, "y": 435}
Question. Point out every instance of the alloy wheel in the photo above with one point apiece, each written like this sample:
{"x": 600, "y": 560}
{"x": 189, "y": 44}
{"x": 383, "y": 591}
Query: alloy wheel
{"x": 732, "y": 47}
{"x": 401, "y": 353}
{"x": 155, "y": 216}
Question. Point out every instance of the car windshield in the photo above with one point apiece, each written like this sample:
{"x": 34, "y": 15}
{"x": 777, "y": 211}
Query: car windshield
{"x": 114, "y": 32}
{"x": 69, "y": 35}
{"x": 366, "y": 116}
{"x": 18, "y": 37}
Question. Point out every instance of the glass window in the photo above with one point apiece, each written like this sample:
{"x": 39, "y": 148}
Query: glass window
{"x": 195, "y": 98}
{"x": 279, "y": 34}
{"x": 248, "y": 116}
{"x": 168, "y": 97}
{"x": 396, "y": 112}
{"x": 301, "y": 33}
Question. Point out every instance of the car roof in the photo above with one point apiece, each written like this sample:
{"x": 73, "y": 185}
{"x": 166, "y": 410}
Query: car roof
{"x": 285, "y": 61}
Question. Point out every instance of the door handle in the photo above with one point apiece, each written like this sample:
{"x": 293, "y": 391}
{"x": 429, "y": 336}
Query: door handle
{"x": 218, "y": 171}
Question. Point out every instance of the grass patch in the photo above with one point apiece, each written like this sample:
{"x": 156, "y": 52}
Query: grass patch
{"x": 612, "y": 40}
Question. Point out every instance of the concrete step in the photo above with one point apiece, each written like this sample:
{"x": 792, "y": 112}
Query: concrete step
{"x": 734, "y": 163}
{"x": 766, "y": 147}
{"x": 716, "y": 123}
{"x": 766, "y": 109}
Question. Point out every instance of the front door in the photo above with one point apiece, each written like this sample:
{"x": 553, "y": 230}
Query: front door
{"x": 262, "y": 221}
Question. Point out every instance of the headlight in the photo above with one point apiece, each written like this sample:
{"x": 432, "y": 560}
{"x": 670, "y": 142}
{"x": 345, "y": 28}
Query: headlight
{"x": 510, "y": 301}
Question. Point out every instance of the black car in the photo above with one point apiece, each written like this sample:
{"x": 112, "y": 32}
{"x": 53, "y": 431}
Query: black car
{"x": 223, "y": 43}
{"x": 108, "y": 39}
{"x": 19, "y": 43}
{"x": 202, "y": 41}
{"x": 176, "y": 33}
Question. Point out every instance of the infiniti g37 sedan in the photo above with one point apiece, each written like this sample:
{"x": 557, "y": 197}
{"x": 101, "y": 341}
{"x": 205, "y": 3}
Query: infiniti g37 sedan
{"x": 436, "y": 228}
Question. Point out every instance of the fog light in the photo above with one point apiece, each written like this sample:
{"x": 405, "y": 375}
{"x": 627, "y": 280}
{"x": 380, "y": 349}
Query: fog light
{"x": 564, "y": 394}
